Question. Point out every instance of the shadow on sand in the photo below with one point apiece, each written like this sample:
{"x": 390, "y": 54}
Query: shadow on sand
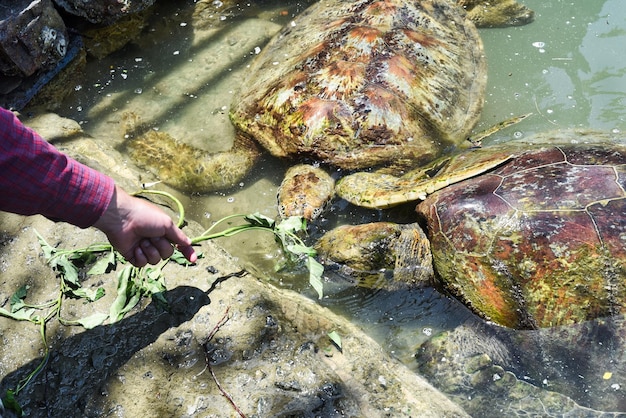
{"x": 80, "y": 365}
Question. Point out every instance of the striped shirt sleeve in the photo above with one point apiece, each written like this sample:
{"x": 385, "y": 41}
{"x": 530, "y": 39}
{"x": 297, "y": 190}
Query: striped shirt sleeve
{"x": 36, "y": 178}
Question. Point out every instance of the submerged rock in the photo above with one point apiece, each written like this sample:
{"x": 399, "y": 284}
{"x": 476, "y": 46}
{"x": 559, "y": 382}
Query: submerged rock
{"x": 103, "y": 11}
{"x": 564, "y": 371}
{"x": 101, "y": 41}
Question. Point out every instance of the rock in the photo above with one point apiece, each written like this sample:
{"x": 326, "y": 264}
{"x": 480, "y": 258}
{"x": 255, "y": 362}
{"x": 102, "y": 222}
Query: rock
{"x": 103, "y": 11}
{"x": 562, "y": 371}
{"x": 32, "y": 37}
{"x": 272, "y": 355}
{"x": 49, "y": 91}
{"x": 54, "y": 127}
{"x": 101, "y": 41}
{"x": 39, "y": 59}
{"x": 48, "y": 86}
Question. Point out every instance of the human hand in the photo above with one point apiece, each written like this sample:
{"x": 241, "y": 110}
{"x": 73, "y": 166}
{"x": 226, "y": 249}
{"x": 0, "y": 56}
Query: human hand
{"x": 142, "y": 232}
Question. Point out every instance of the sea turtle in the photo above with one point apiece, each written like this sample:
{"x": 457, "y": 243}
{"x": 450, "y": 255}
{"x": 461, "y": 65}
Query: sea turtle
{"x": 358, "y": 84}
{"x": 350, "y": 84}
{"x": 528, "y": 234}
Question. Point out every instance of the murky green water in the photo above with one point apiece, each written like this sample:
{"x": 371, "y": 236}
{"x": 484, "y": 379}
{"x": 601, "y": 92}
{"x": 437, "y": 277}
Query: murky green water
{"x": 568, "y": 68}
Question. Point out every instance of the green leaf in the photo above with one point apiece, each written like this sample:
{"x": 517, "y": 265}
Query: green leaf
{"x": 301, "y": 249}
{"x": 20, "y": 315}
{"x": 130, "y": 304}
{"x": 160, "y": 301}
{"x": 103, "y": 265}
{"x": 316, "y": 270}
{"x": 66, "y": 268}
{"x": 91, "y": 295}
{"x": 258, "y": 219}
{"x": 123, "y": 279}
{"x": 11, "y": 403}
{"x": 129, "y": 292}
{"x": 179, "y": 258}
{"x": 48, "y": 250}
{"x": 335, "y": 338}
{"x": 153, "y": 274}
{"x": 17, "y": 298}
{"x": 93, "y": 321}
{"x": 293, "y": 224}
{"x": 153, "y": 286}
{"x": 82, "y": 257}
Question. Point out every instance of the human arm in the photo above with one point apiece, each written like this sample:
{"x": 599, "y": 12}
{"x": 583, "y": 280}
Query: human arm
{"x": 35, "y": 178}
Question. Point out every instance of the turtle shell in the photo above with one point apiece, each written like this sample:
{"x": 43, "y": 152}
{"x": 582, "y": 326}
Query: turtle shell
{"x": 538, "y": 241}
{"x": 363, "y": 83}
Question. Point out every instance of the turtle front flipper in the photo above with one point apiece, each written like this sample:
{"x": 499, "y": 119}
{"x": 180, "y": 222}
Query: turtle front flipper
{"x": 381, "y": 191}
{"x": 187, "y": 168}
{"x": 497, "y": 13}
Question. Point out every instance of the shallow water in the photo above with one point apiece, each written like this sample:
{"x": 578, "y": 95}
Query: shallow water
{"x": 568, "y": 68}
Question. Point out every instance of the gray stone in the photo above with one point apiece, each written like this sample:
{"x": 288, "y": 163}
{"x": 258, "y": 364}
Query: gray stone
{"x": 32, "y": 37}
{"x": 103, "y": 11}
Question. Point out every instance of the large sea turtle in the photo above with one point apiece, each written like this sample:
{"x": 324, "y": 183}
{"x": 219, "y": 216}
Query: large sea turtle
{"x": 527, "y": 234}
{"x": 361, "y": 83}
{"x": 350, "y": 84}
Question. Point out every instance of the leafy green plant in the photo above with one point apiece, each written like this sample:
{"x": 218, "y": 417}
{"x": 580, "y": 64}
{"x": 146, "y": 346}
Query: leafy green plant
{"x": 287, "y": 234}
{"x": 133, "y": 283}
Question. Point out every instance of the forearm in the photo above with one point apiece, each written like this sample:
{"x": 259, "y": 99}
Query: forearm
{"x": 37, "y": 178}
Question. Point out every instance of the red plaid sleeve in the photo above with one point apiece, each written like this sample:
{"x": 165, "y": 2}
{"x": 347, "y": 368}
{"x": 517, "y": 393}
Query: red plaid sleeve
{"x": 35, "y": 178}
